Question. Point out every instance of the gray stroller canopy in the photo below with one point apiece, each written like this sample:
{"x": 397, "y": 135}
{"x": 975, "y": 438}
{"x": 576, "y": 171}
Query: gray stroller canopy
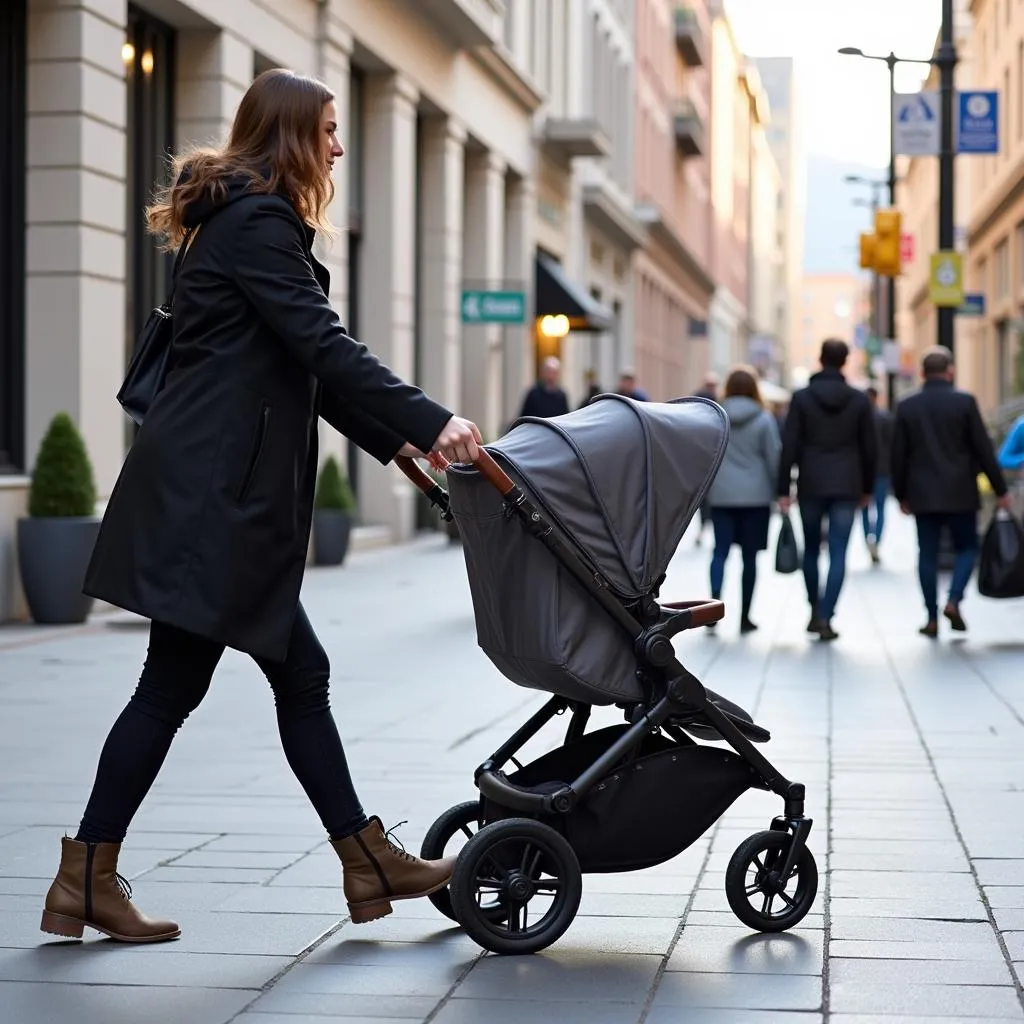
{"x": 621, "y": 478}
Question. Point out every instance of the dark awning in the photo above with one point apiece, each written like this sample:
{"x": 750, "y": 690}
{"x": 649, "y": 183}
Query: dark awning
{"x": 556, "y": 293}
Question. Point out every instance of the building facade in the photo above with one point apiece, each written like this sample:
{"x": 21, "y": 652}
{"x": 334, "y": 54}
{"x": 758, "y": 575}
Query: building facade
{"x": 435, "y": 194}
{"x": 672, "y": 167}
{"x": 729, "y": 325}
{"x": 785, "y": 139}
{"x": 831, "y": 306}
{"x": 992, "y": 362}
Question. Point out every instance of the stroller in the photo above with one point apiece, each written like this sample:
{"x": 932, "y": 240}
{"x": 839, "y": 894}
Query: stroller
{"x": 562, "y": 518}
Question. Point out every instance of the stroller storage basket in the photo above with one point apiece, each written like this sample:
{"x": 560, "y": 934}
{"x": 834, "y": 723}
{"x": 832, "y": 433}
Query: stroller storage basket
{"x": 619, "y": 482}
{"x": 650, "y": 808}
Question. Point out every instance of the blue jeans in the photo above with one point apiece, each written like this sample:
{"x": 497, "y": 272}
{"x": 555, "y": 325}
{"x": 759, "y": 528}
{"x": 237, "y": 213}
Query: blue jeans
{"x": 963, "y": 529}
{"x": 841, "y": 514}
{"x": 881, "y": 493}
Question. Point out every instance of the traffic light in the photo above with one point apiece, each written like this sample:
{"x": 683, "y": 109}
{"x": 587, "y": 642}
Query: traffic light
{"x": 887, "y": 247}
{"x": 867, "y": 251}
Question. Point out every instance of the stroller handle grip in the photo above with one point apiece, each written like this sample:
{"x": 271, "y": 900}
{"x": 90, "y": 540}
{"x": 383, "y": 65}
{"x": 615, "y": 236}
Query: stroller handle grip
{"x": 701, "y": 612}
{"x": 487, "y": 467}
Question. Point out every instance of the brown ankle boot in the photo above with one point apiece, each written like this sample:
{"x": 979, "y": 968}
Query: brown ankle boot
{"x": 89, "y": 891}
{"x": 377, "y": 871}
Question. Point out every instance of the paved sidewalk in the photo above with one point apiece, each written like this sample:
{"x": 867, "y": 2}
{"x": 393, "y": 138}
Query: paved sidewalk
{"x": 912, "y": 751}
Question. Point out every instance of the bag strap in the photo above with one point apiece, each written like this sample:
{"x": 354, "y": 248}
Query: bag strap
{"x": 186, "y": 243}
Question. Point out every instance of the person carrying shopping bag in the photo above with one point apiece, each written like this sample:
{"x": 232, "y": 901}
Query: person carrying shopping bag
{"x": 741, "y": 496}
{"x": 207, "y": 528}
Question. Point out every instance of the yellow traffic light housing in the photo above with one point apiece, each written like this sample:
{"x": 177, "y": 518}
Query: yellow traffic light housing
{"x": 867, "y": 251}
{"x": 887, "y": 243}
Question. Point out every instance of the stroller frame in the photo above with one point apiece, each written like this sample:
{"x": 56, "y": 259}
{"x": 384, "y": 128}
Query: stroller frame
{"x": 675, "y": 697}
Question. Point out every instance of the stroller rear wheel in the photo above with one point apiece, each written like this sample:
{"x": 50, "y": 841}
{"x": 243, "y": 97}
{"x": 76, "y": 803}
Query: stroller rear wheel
{"x": 532, "y": 871}
{"x": 753, "y": 884}
{"x": 461, "y": 820}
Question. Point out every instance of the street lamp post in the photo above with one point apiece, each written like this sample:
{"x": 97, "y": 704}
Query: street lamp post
{"x": 879, "y": 326}
{"x": 890, "y": 60}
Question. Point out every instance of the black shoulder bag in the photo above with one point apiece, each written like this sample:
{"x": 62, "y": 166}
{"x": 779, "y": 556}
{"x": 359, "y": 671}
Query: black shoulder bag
{"x": 148, "y": 368}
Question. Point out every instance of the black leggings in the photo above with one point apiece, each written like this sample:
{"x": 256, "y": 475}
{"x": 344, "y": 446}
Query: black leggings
{"x": 174, "y": 681}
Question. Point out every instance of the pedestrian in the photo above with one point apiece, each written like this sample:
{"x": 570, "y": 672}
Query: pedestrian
{"x": 207, "y": 527}
{"x": 939, "y": 442}
{"x": 546, "y": 398}
{"x": 742, "y": 492}
{"x": 592, "y": 388}
{"x": 627, "y": 386}
{"x": 829, "y": 436}
{"x": 873, "y": 526}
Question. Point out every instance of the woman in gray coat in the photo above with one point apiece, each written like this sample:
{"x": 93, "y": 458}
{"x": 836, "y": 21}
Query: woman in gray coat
{"x": 743, "y": 490}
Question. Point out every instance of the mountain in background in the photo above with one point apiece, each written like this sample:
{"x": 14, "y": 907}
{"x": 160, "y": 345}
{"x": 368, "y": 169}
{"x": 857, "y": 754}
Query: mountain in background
{"x": 834, "y": 224}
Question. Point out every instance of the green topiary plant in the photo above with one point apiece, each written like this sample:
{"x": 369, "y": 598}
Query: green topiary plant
{"x": 62, "y": 480}
{"x": 333, "y": 490}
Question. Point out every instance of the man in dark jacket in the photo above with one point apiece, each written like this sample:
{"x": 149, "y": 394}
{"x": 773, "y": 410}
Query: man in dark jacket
{"x": 546, "y": 398}
{"x": 939, "y": 446}
{"x": 830, "y": 437}
{"x": 883, "y": 438}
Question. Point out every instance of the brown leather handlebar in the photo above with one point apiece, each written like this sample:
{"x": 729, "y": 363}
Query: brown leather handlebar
{"x": 487, "y": 467}
{"x": 701, "y": 612}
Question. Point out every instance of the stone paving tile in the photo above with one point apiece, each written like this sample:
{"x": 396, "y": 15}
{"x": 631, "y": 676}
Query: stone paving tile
{"x": 737, "y": 951}
{"x": 526, "y": 1011}
{"x": 1002, "y": 871}
{"x": 909, "y": 930}
{"x": 986, "y": 950}
{"x": 1006, "y": 897}
{"x": 706, "y": 1015}
{"x": 685, "y": 990}
{"x": 561, "y": 976}
{"x": 904, "y": 997}
{"x": 92, "y": 1003}
{"x": 288, "y": 1018}
{"x": 313, "y": 1007}
{"x": 869, "y": 972}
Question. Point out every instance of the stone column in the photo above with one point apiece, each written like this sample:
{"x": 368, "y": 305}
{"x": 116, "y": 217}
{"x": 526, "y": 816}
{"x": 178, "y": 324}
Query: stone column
{"x": 440, "y": 257}
{"x": 483, "y": 267}
{"x": 75, "y": 242}
{"x": 334, "y": 69}
{"x": 518, "y": 363}
{"x": 387, "y": 278}
{"x": 214, "y": 69}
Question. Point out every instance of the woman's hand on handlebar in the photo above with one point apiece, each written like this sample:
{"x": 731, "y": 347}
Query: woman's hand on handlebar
{"x": 459, "y": 440}
{"x": 435, "y": 459}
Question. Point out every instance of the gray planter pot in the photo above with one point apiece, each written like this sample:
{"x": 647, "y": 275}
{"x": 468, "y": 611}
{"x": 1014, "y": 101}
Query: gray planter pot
{"x": 331, "y": 532}
{"x": 53, "y": 554}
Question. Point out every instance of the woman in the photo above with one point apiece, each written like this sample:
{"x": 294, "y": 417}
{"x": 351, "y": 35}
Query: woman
{"x": 207, "y": 528}
{"x": 741, "y": 495}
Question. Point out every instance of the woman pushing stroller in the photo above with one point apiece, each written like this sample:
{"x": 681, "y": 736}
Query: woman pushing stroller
{"x": 207, "y": 528}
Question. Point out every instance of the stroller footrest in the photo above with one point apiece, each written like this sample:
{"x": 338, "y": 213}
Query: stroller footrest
{"x": 493, "y": 785}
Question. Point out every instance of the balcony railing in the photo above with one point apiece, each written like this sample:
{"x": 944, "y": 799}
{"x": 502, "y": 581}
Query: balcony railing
{"x": 689, "y": 37}
{"x": 688, "y": 127}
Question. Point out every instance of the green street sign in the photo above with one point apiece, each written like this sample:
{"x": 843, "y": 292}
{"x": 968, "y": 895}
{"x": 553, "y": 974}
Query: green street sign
{"x": 497, "y": 307}
{"x": 873, "y": 347}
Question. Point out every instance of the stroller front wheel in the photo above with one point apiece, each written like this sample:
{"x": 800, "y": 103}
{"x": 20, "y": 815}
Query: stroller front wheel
{"x": 758, "y": 896}
{"x": 531, "y": 871}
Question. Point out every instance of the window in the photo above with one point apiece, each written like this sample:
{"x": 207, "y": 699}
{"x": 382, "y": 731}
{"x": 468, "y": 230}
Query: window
{"x": 13, "y": 69}
{"x": 149, "y": 72}
{"x": 261, "y": 64}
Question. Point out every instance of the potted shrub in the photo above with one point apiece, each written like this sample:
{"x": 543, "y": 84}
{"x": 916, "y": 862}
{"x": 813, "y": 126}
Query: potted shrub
{"x": 333, "y": 509}
{"x": 55, "y": 541}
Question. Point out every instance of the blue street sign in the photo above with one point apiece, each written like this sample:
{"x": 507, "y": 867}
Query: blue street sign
{"x": 978, "y": 124}
{"x": 973, "y": 305}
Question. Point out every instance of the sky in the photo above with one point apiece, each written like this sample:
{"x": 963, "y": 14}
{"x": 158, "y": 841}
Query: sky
{"x": 845, "y": 99}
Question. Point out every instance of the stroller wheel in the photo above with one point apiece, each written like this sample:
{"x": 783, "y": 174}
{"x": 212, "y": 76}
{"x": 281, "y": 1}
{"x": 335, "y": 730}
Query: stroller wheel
{"x": 532, "y": 871}
{"x": 462, "y": 820}
{"x": 755, "y": 892}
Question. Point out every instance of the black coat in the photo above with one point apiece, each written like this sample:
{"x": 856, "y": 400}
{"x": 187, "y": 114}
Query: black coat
{"x": 829, "y": 435}
{"x": 207, "y": 527}
{"x": 539, "y": 401}
{"x": 883, "y": 438}
{"x": 939, "y": 447}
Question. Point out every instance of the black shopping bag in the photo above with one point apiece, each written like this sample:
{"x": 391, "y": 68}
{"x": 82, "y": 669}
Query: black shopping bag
{"x": 787, "y": 552}
{"x": 1001, "y": 574}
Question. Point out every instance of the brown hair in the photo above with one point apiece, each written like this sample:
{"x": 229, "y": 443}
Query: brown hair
{"x": 743, "y": 381}
{"x": 936, "y": 360}
{"x": 274, "y": 140}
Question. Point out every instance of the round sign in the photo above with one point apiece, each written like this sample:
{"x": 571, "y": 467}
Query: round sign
{"x": 978, "y": 105}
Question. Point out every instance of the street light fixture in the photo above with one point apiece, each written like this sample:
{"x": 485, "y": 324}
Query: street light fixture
{"x": 890, "y": 60}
